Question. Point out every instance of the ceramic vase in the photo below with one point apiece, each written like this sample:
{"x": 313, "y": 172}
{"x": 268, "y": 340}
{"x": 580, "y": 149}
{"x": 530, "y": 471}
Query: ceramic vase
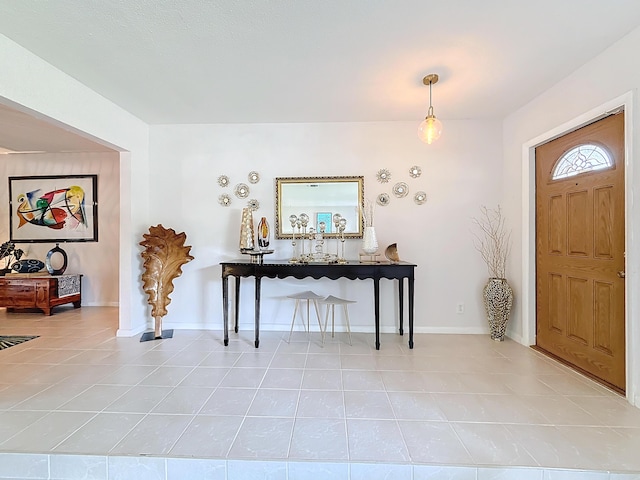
{"x": 263, "y": 234}
{"x": 247, "y": 242}
{"x": 498, "y": 300}
{"x": 56, "y": 261}
{"x": 369, "y": 241}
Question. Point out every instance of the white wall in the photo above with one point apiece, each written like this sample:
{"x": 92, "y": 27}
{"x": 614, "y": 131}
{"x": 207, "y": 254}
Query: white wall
{"x": 459, "y": 173}
{"x": 34, "y": 86}
{"x": 95, "y": 260}
{"x": 607, "y": 80}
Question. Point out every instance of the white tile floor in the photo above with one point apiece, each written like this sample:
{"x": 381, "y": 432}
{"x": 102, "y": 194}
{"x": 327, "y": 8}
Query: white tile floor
{"x": 462, "y": 407}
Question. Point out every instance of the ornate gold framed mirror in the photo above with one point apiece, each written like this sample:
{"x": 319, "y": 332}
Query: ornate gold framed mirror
{"x": 319, "y": 200}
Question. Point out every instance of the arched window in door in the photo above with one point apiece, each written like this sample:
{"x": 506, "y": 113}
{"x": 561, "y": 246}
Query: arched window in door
{"x": 581, "y": 159}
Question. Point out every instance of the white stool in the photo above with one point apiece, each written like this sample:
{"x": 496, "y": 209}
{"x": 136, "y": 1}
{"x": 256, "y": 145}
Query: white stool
{"x": 331, "y": 303}
{"x": 309, "y": 296}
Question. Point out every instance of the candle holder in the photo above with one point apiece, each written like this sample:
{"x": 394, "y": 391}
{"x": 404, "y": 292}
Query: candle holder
{"x": 304, "y": 221}
{"x": 293, "y": 219}
{"x": 336, "y": 222}
{"x": 342, "y": 225}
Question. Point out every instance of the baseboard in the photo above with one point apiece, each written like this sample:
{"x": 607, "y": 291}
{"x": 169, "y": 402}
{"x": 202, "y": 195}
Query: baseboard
{"x": 271, "y": 327}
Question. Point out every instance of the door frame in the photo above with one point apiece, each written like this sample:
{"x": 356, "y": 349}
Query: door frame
{"x": 632, "y": 230}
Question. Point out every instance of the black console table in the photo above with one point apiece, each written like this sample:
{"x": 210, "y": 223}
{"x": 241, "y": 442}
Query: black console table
{"x": 333, "y": 271}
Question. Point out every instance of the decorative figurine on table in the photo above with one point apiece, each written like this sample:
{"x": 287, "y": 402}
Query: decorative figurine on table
{"x": 247, "y": 243}
{"x": 342, "y": 225}
{"x": 164, "y": 255}
{"x": 264, "y": 235}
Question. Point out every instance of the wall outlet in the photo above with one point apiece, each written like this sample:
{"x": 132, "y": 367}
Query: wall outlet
{"x": 460, "y": 308}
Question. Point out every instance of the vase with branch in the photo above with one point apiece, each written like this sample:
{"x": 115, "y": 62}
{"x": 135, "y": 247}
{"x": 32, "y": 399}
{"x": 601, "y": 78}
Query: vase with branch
{"x": 369, "y": 239}
{"x": 493, "y": 241}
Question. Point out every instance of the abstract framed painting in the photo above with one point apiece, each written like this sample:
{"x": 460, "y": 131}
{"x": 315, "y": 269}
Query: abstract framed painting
{"x": 54, "y": 208}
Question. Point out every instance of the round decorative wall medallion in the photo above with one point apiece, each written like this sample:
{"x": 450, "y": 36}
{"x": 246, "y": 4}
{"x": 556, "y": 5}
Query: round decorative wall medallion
{"x": 254, "y": 177}
{"x": 224, "y": 200}
{"x": 400, "y": 189}
{"x": 253, "y": 204}
{"x": 223, "y": 181}
{"x": 383, "y": 199}
{"x": 383, "y": 175}
{"x": 242, "y": 190}
{"x": 420, "y": 198}
{"x": 415, "y": 171}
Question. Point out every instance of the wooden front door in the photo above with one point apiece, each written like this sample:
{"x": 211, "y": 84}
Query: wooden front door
{"x": 580, "y": 249}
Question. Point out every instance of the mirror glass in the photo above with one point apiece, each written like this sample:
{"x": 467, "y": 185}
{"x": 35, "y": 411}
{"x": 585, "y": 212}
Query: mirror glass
{"x": 320, "y": 198}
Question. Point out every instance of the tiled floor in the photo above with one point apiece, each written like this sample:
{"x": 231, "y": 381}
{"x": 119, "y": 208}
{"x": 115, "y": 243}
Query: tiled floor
{"x": 456, "y": 406}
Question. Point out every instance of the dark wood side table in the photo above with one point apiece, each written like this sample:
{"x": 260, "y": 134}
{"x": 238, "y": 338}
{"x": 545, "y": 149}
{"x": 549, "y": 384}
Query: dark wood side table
{"x": 351, "y": 270}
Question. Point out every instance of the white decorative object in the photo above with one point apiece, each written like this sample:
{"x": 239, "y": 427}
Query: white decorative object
{"x": 254, "y": 177}
{"x": 253, "y": 204}
{"x": 415, "y": 171}
{"x": 369, "y": 241}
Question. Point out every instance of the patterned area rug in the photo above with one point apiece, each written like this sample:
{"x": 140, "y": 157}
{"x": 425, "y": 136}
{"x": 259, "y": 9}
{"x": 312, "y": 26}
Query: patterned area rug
{"x": 10, "y": 341}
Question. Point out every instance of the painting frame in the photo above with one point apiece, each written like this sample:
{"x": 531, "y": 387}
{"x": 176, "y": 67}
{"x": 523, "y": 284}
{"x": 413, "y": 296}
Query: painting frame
{"x": 53, "y": 208}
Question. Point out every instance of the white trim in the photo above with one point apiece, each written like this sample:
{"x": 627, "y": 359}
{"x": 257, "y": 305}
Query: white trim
{"x": 632, "y": 222}
{"x": 279, "y": 327}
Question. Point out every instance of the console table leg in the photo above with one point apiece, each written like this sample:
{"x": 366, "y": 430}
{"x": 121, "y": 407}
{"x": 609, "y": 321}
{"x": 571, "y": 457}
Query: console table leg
{"x": 376, "y": 299}
{"x": 225, "y": 308}
{"x": 401, "y": 303}
{"x": 237, "y": 309}
{"x": 257, "y": 308}
{"x": 411, "y": 312}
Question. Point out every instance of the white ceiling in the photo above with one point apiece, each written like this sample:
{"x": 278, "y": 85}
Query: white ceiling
{"x": 262, "y": 61}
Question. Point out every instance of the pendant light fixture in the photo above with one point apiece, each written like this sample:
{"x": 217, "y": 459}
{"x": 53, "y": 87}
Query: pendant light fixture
{"x": 430, "y": 128}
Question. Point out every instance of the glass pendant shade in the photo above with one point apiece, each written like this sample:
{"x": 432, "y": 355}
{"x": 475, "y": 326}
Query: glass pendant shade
{"x": 430, "y": 129}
